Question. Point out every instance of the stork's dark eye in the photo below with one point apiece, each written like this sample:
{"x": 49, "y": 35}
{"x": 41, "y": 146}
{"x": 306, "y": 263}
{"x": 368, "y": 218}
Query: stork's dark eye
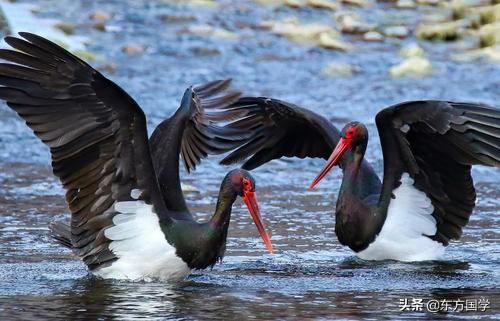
{"x": 349, "y": 133}
{"x": 247, "y": 184}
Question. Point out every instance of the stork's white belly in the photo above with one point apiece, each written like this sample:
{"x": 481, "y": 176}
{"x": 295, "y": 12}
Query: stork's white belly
{"x": 409, "y": 220}
{"x": 140, "y": 245}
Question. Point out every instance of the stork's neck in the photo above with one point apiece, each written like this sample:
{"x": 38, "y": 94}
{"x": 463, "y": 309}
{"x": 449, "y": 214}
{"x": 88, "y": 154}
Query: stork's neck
{"x": 220, "y": 219}
{"x": 357, "y": 220}
{"x": 201, "y": 245}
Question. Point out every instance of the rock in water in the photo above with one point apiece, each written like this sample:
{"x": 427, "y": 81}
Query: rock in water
{"x": 373, "y": 36}
{"x": 396, "y": 32}
{"x": 412, "y": 50}
{"x": 350, "y": 22}
{"x": 411, "y": 67}
{"x": 337, "y": 69}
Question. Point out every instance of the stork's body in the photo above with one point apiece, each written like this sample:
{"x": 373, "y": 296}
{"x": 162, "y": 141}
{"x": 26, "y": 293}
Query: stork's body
{"x": 129, "y": 217}
{"x": 427, "y": 194}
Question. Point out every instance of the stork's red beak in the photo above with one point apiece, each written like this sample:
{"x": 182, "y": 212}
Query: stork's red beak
{"x": 342, "y": 146}
{"x": 253, "y": 208}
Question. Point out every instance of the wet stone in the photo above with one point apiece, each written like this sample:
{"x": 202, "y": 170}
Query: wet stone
{"x": 350, "y": 22}
{"x": 411, "y": 67}
{"x": 406, "y": 4}
{"x": 412, "y": 50}
{"x": 373, "y": 36}
{"x": 100, "y": 16}
{"x": 134, "y": 48}
{"x": 338, "y": 69}
{"x": 396, "y": 32}
{"x": 66, "y": 27}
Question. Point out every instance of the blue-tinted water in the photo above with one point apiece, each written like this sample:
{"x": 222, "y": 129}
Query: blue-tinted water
{"x": 310, "y": 276}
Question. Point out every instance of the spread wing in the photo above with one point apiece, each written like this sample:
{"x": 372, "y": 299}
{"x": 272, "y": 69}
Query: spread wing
{"x": 194, "y": 133}
{"x": 97, "y": 139}
{"x": 280, "y": 129}
{"x": 201, "y": 136}
{"x": 436, "y": 143}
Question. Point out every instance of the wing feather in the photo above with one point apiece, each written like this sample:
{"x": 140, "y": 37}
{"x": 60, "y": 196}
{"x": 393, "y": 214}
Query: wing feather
{"x": 279, "y": 129}
{"x": 96, "y": 134}
{"x": 443, "y": 141}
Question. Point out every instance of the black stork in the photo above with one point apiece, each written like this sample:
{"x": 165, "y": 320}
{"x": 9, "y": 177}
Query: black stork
{"x": 129, "y": 219}
{"x": 427, "y": 194}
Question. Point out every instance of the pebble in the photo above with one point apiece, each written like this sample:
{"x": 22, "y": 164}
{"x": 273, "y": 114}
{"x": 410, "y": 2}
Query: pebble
{"x": 359, "y": 3}
{"x": 134, "y": 48}
{"x": 294, "y": 3}
{"x": 412, "y": 50}
{"x": 396, "y": 32}
{"x": 108, "y": 67}
{"x": 439, "y": 31}
{"x": 187, "y": 188}
{"x": 100, "y": 16}
{"x": 338, "y": 69}
{"x": 66, "y": 27}
{"x": 350, "y": 22}
{"x": 101, "y": 26}
{"x": 489, "y": 35}
{"x": 326, "y": 40}
{"x": 428, "y": 2}
{"x": 322, "y": 4}
{"x": 411, "y": 67}
{"x": 406, "y": 4}
{"x": 373, "y": 36}
{"x": 176, "y": 18}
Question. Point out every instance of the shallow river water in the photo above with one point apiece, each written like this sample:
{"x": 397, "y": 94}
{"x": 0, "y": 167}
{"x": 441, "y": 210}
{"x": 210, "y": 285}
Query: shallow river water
{"x": 310, "y": 275}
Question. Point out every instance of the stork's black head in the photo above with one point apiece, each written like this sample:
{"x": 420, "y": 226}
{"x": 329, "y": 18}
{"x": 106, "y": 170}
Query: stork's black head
{"x": 355, "y": 133}
{"x": 241, "y": 183}
{"x": 353, "y": 136}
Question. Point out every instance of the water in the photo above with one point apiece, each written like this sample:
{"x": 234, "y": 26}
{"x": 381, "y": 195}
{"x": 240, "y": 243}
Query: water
{"x": 311, "y": 276}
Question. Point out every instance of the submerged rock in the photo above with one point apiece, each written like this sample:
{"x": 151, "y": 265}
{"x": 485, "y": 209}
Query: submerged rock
{"x": 440, "y": 31}
{"x": 488, "y": 14}
{"x": 176, "y": 18}
{"x": 338, "y": 69}
{"x": 396, "y": 32}
{"x": 209, "y": 31}
{"x": 108, "y": 67}
{"x": 322, "y": 4}
{"x": 360, "y": 3}
{"x": 326, "y": 40}
{"x": 489, "y": 35}
{"x": 187, "y": 188}
{"x": 100, "y": 16}
{"x": 313, "y": 34}
{"x": 134, "y": 48}
{"x": 491, "y": 54}
{"x": 205, "y": 51}
{"x": 204, "y": 3}
{"x": 66, "y": 27}
{"x": 428, "y": 2}
{"x": 411, "y": 67}
{"x": 270, "y": 2}
{"x": 406, "y": 4}
{"x": 101, "y": 26}
{"x": 373, "y": 36}
{"x": 350, "y": 22}
{"x": 295, "y": 3}
{"x": 296, "y": 32}
{"x": 412, "y": 50}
